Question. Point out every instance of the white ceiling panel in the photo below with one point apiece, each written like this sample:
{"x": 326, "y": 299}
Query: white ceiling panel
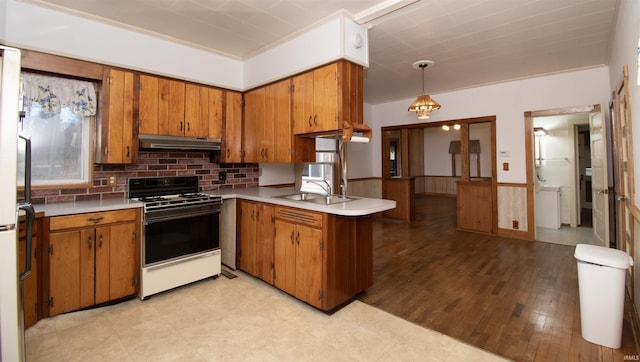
{"x": 472, "y": 41}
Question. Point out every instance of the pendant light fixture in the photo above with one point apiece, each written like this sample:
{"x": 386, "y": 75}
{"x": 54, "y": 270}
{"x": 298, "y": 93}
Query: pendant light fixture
{"x": 423, "y": 105}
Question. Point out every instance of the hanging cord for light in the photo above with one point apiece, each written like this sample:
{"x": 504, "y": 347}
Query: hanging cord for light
{"x": 424, "y": 104}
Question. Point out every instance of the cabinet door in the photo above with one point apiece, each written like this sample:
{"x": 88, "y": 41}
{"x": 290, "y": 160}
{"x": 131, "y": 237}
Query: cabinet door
{"x": 264, "y": 243}
{"x": 123, "y": 261}
{"x": 254, "y": 124}
{"x": 302, "y": 99}
{"x": 171, "y": 107}
{"x": 196, "y": 110}
{"x": 325, "y": 98}
{"x": 246, "y": 256}
{"x": 278, "y": 131}
{"x": 216, "y": 113}
{"x": 87, "y": 268}
{"x": 64, "y": 271}
{"x": 117, "y": 142}
{"x": 232, "y": 139}
{"x": 309, "y": 265}
{"x": 284, "y": 257}
{"x": 148, "y": 102}
{"x": 102, "y": 264}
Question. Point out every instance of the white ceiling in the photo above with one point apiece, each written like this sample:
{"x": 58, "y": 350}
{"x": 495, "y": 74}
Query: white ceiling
{"x": 472, "y": 42}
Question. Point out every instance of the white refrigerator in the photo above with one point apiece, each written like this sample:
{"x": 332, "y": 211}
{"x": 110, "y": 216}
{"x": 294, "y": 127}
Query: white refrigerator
{"x": 11, "y": 311}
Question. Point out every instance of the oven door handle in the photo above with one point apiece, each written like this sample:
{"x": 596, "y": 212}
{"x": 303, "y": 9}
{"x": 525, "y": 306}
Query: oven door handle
{"x": 182, "y": 260}
{"x": 176, "y": 216}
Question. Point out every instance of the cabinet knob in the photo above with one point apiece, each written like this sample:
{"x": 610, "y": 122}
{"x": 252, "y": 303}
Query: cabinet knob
{"x": 89, "y": 242}
{"x": 180, "y": 126}
{"x": 315, "y": 119}
{"x": 291, "y": 237}
{"x": 100, "y": 241}
{"x": 128, "y": 151}
{"x": 188, "y": 126}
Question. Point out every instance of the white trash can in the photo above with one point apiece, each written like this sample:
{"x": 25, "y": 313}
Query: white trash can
{"x": 601, "y": 282}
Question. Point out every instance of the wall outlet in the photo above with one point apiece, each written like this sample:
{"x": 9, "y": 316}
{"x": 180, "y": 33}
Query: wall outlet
{"x": 515, "y": 224}
{"x": 222, "y": 176}
{"x": 111, "y": 180}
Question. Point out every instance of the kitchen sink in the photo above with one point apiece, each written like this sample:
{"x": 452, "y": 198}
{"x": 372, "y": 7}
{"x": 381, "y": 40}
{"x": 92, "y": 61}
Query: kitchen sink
{"x": 301, "y": 196}
{"x": 316, "y": 198}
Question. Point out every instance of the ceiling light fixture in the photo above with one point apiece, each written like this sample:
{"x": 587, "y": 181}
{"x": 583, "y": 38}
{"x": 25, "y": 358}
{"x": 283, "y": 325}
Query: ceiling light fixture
{"x": 539, "y": 131}
{"x": 446, "y": 127}
{"x": 423, "y": 105}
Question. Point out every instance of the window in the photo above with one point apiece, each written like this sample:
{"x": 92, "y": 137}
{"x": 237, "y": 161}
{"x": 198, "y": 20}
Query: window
{"x": 58, "y": 117}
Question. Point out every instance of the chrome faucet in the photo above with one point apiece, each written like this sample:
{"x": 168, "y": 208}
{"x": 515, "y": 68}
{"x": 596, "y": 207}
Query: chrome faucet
{"x": 325, "y": 189}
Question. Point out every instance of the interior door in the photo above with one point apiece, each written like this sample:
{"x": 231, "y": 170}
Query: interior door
{"x": 600, "y": 186}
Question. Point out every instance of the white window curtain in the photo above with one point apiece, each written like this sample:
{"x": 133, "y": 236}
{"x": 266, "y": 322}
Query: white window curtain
{"x": 52, "y": 94}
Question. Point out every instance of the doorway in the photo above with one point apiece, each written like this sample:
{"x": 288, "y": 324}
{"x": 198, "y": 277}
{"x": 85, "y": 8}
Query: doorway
{"x": 562, "y": 177}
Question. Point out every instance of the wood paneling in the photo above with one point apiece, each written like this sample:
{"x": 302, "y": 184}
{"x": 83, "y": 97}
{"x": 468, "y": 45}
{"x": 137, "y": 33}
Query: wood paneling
{"x": 440, "y": 185}
{"x": 60, "y": 65}
{"x": 474, "y": 211}
{"x": 402, "y": 190}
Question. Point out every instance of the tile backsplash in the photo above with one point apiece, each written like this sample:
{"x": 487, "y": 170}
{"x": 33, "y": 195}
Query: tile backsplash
{"x": 151, "y": 164}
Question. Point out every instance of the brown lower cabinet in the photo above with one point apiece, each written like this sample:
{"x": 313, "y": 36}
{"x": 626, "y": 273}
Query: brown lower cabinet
{"x": 322, "y": 259}
{"x": 90, "y": 259}
{"x": 255, "y": 239}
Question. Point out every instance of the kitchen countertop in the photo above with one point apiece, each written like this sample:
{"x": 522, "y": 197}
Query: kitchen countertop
{"x": 359, "y": 206}
{"x": 81, "y": 207}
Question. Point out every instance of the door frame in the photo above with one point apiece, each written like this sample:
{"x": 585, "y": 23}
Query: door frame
{"x": 529, "y": 139}
{"x": 465, "y": 122}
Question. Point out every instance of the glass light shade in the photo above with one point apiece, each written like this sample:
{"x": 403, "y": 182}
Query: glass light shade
{"x": 424, "y": 103}
{"x": 423, "y": 113}
{"x": 456, "y": 127}
{"x": 445, "y": 127}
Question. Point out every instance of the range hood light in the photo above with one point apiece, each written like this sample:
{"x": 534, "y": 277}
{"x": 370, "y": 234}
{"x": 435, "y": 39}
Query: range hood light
{"x": 149, "y": 141}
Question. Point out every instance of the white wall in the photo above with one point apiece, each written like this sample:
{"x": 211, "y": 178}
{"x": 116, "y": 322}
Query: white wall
{"x": 66, "y": 34}
{"x": 276, "y": 174}
{"x": 624, "y": 51}
{"x": 508, "y": 102}
{"x": 38, "y": 28}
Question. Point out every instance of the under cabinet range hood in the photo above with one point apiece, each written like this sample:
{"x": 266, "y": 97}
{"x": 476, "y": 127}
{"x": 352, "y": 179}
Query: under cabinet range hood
{"x": 151, "y": 141}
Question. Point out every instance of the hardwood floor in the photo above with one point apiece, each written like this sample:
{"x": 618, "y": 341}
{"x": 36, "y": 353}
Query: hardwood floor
{"x": 515, "y": 298}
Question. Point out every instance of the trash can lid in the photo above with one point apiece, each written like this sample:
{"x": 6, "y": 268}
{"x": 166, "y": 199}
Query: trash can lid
{"x": 603, "y": 256}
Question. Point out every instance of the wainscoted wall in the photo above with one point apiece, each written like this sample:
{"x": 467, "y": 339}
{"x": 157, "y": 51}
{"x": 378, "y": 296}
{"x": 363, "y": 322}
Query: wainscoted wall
{"x": 512, "y": 206}
{"x": 151, "y": 164}
{"x": 440, "y": 185}
{"x": 365, "y": 187}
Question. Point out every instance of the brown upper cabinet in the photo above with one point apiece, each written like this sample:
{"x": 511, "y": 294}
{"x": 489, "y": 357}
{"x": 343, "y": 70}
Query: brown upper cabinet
{"x": 324, "y": 98}
{"x": 117, "y": 140}
{"x": 177, "y": 108}
{"x": 268, "y": 135}
{"x": 232, "y": 128}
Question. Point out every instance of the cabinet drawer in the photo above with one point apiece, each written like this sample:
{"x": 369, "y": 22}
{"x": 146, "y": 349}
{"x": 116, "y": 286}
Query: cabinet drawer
{"x": 91, "y": 219}
{"x": 299, "y": 216}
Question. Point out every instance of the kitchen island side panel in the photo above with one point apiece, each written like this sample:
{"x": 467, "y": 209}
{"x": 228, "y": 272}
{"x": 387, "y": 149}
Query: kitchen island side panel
{"x": 349, "y": 260}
